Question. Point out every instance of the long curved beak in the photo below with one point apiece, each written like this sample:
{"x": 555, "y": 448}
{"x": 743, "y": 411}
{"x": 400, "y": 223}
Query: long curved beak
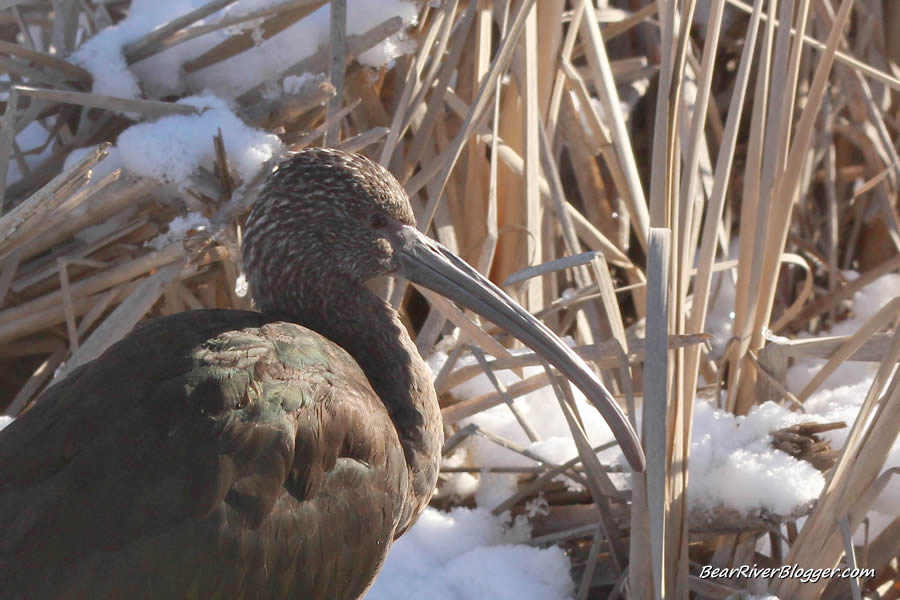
{"x": 431, "y": 265}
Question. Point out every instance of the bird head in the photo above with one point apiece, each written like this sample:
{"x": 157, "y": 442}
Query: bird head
{"x": 332, "y": 212}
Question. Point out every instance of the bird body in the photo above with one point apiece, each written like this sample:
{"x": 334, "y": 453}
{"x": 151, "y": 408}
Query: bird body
{"x": 274, "y": 454}
{"x": 242, "y": 441}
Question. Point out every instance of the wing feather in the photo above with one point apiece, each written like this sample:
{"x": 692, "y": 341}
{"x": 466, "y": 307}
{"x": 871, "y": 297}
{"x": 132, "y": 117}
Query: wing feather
{"x": 205, "y": 436}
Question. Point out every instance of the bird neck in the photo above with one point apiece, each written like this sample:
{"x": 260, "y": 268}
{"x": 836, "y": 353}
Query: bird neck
{"x": 370, "y": 330}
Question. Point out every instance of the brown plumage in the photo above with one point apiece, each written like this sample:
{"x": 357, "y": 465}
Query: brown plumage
{"x": 235, "y": 454}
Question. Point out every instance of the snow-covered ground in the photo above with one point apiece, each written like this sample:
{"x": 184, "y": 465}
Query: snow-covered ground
{"x": 842, "y": 394}
{"x": 467, "y": 555}
{"x": 172, "y": 147}
{"x": 732, "y": 462}
{"x": 162, "y": 74}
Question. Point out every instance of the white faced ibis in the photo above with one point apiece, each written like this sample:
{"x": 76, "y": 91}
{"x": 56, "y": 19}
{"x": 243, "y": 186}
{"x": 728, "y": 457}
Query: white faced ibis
{"x": 275, "y": 454}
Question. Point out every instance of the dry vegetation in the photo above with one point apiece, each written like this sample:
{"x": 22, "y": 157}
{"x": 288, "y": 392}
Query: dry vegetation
{"x": 490, "y": 127}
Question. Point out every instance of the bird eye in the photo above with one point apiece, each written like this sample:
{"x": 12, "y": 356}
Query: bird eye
{"x": 378, "y": 220}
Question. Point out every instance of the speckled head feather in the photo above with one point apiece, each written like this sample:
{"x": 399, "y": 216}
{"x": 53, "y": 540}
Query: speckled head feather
{"x": 353, "y": 182}
{"x": 318, "y": 217}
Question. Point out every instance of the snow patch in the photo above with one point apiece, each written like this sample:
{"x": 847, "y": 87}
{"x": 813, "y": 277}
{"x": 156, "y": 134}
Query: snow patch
{"x": 172, "y": 148}
{"x": 163, "y": 73}
{"x": 470, "y": 555}
{"x": 732, "y": 462}
{"x": 179, "y": 228}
